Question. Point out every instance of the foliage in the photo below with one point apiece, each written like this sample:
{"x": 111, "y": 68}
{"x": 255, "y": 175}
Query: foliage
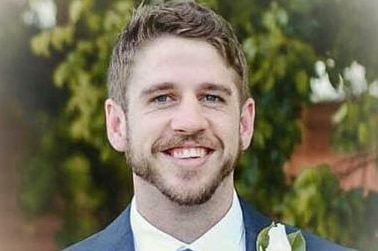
{"x": 280, "y": 69}
{"x": 90, "y": 182}
{"x": 357, "y": 125}
{"x": 338, "y": 216}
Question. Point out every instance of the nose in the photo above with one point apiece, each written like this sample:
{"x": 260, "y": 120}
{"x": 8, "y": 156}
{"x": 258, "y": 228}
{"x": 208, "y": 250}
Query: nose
{"x": 189, "y": 117}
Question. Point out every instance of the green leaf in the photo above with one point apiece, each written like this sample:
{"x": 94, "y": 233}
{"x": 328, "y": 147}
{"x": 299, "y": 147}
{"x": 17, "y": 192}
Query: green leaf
{"x": 363, "y": 132}
{"x": 340, "y": 114}
{"x": 40, "y": 44}
{"x": 297, "y": 241}
{"x": 76, "y": 8}
{"x": 263, "y": 238}
{"x": 301, "y": 81}
{"x": 61, "y": 36}
{"x": 60, "y": 75}
{"x": 250, "y": 48}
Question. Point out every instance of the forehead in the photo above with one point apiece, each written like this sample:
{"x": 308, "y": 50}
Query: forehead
{"x": 181, "y": 61}
{"x": 166, "y": 47}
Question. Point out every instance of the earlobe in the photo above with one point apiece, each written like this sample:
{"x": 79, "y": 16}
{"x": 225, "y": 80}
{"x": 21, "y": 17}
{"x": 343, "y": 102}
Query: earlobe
{"x": 115, "y": 125}
{"x": 247, "y": 119}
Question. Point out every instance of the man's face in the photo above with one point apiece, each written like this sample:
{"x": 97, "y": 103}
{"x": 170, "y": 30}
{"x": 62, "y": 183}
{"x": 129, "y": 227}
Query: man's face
{"x": 184, "y": 126}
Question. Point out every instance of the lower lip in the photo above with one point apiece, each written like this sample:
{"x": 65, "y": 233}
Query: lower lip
{"x": 188, "y": 162}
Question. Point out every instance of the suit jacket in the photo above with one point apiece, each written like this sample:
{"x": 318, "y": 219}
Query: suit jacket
{"x": 119, "y": 237}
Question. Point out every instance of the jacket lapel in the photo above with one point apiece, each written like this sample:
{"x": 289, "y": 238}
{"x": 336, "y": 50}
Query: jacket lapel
{"x": 127, "y": 238}
{"x": 118, "y": 236}
{"x": 254, "y": 222}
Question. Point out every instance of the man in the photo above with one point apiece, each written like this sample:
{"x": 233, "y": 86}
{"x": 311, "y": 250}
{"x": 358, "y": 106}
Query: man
{"x": 180, "y": 110}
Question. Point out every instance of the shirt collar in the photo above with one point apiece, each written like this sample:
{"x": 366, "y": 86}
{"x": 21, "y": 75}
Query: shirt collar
{"x": 227, "y": 234}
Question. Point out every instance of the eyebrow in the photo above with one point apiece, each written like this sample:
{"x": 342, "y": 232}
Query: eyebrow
{"x": 157, "y": 88}
{"x": 216, "y": 87}
{"x": 169, "y": 86}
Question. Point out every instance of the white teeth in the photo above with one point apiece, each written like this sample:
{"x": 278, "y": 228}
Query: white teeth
{"x": 183, "y": 153}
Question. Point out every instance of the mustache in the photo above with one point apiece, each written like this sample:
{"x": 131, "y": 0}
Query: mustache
{"x": 165, "y": 143}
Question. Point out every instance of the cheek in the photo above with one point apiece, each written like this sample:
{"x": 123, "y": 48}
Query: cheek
{"x": 227, "y": 128}
{"x": 146, "y": 129}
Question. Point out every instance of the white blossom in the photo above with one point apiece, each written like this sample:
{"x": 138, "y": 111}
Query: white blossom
{"x": 278, "y": 240}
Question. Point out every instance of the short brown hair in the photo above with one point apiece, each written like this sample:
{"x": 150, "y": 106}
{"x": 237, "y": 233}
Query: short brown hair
{"x": 185, "y": 19}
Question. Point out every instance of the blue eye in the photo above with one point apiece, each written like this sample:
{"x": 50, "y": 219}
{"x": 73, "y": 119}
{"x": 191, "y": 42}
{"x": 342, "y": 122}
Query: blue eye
{"x": 161, "y": 99}
{"x": 212, "y": 98}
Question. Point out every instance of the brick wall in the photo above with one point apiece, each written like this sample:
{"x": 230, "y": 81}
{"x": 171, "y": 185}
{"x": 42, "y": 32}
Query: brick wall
{"x": 355, "y": 170}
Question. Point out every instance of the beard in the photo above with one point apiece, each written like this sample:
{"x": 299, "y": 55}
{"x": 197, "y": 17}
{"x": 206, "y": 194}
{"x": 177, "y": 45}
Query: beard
{"x": 146, "y": 168}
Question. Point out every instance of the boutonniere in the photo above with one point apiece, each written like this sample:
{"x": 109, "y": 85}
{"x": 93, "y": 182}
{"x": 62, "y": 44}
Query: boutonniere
{"x": 274, "y": 238}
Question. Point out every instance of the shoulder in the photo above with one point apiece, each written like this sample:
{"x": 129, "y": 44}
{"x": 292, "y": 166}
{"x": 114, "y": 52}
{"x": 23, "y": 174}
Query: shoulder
{"x": 115, "y": 237}
{"x": 314, "y": 243}
{"x": 254, "y": 222}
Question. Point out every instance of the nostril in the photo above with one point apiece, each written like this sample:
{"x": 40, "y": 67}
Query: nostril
{"x": 189, "y": 119}
{"x": 188, "y": 124}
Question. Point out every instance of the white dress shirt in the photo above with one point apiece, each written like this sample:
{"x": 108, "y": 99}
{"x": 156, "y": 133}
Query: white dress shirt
{"x": 228, "y": 234}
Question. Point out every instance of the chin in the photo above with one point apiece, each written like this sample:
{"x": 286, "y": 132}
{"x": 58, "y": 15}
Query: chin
{"x": 193, "y": 194}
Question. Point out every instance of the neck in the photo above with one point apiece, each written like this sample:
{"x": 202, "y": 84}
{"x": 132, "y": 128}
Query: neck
{"x": 185, "y": 223}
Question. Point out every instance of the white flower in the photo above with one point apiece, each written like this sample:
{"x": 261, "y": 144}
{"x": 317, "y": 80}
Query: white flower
{"x": 278, "y": 240}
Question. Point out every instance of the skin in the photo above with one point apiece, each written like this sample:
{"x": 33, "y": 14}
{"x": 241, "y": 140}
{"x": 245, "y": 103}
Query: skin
{"x": 182, "y": 134}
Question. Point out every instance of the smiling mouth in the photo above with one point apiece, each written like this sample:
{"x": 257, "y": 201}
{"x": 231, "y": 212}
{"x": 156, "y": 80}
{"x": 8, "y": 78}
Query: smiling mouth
{"x": 188, "y": 152}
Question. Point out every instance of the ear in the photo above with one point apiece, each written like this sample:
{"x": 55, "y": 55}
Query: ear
{"x": 115, "y": 125}
{"x": 247, "y": 119}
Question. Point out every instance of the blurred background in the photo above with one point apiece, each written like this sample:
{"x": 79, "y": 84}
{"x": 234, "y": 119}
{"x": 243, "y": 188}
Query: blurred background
{"x": 313, "y": 74}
